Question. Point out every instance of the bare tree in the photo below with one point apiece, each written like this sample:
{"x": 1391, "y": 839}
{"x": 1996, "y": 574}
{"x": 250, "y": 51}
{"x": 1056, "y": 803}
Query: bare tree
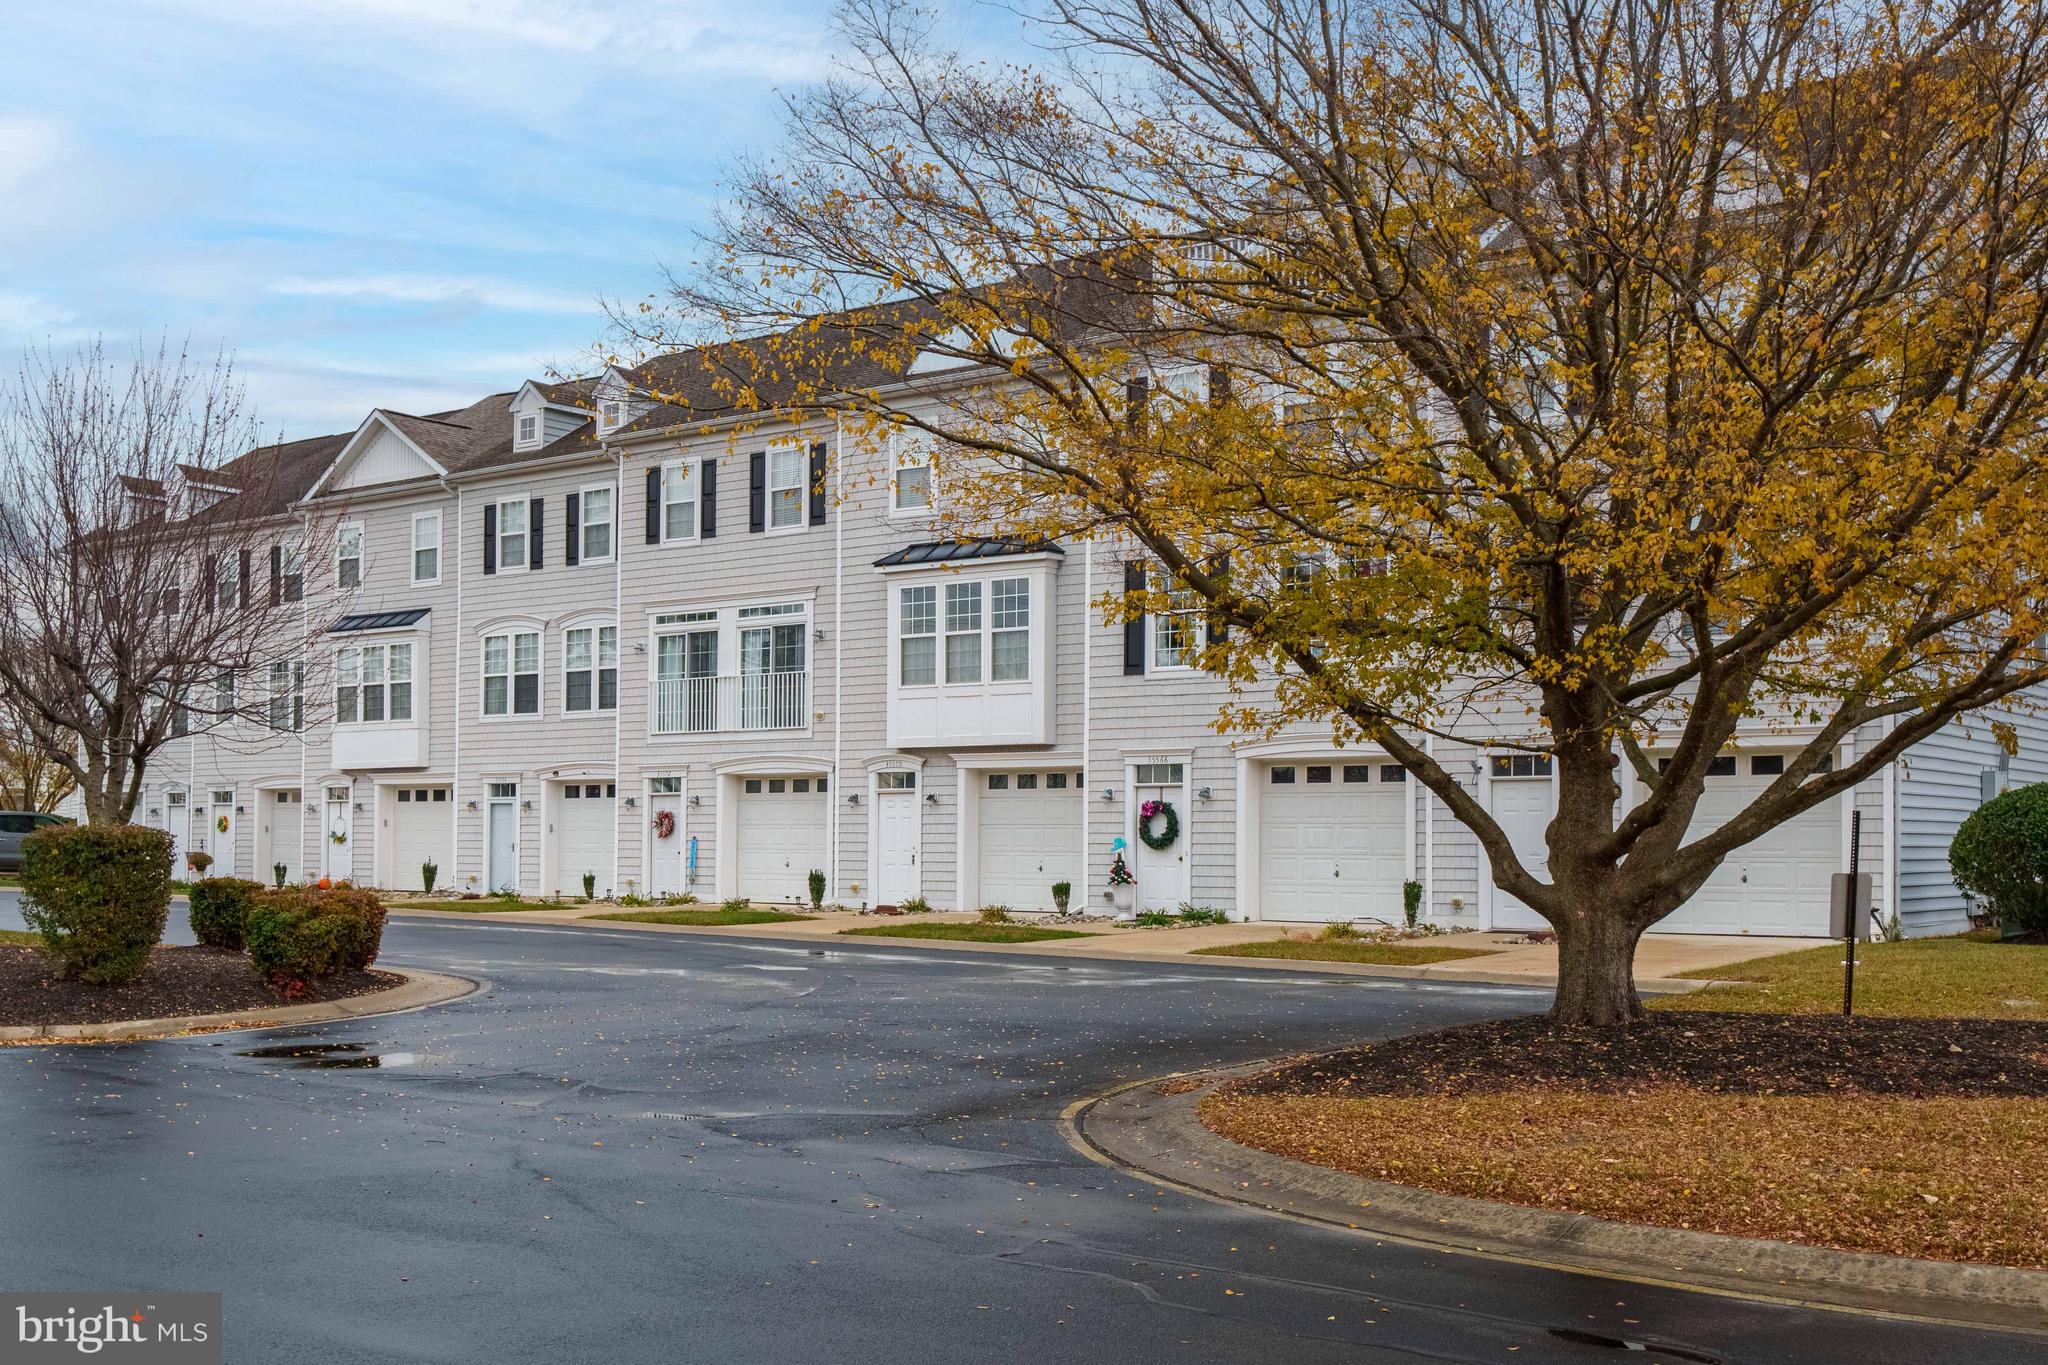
{"x": 146, "y": 552}
{"x": 31, "y": 778}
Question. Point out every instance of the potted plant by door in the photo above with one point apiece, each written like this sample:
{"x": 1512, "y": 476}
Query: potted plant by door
{"x": 1123, "y": 887}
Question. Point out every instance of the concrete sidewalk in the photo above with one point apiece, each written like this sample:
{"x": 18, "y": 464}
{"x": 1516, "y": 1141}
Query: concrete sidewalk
{"x": 1659, "y": 961}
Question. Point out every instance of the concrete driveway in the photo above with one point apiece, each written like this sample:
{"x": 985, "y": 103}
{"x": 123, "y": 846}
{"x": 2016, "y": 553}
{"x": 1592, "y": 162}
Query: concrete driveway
{"x": 643, "y": 1147}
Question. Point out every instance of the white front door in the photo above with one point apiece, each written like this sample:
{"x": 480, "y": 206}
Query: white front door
{"x": 665, "y": 865}
{"x": 1162, "y": 873}
{"x": 220, "y": 834}
{"x": 1332, "y": 841}
{"x": 501, "y": 860}
{"x": 1523, "y": 804}
{"x": 336, "y": 835}
{"x": 1027, "y": 836}
{"x": 1777, "y": 883}
{"x": 585, "y": 835}
{"x": 284, "y": 834}
{"x": 179, "y": 826}
{"x": 781, "y": 829}
{"x": 896, "y": 829}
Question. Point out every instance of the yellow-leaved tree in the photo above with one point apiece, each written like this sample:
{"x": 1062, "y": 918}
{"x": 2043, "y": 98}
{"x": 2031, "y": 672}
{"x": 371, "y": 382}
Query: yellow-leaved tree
{"x": 1586, "y": 378}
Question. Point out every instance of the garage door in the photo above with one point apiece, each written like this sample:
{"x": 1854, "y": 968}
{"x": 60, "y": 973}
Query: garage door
{"x": 1332, "y": 841}
{"x": 1777, "y": 884}
{"x": 1028, "y": 833}
{"x": 781, "y": 836}
{"x": 584, "y": 836}
{"x": 420, "y": 823}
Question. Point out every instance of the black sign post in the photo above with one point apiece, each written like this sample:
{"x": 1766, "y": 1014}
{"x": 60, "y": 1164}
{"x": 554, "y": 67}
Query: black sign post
{"x": 1851, "y": 919}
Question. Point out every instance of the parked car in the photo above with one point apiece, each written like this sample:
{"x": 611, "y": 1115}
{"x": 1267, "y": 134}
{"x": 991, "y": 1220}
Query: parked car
{"x": 16, "y": 825}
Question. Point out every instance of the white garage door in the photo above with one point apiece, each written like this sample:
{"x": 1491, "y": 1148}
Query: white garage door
{"x": 1028, "y": 834}
{"x": 781, "y": 836}
{"x": 421, "y": 819}
{"x": 1332, "y": 841}
{"x": 584, "y": 836}
{"x": 1777, "y": 884}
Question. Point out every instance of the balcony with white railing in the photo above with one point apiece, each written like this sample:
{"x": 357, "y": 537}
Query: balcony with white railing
{"x": 732, "y": 701}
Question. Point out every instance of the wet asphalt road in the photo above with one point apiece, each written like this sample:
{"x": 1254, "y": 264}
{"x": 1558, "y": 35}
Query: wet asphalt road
{"x": 646, "y": 1147}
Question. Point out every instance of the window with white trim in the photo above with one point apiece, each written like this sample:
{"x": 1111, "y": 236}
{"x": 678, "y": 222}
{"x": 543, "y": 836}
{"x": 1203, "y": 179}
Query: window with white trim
{"x": 224, "y": 692}
{"x": 511, "y": 534}
{"x": 594, "y": 511}
{"x": 1009, "y": 640}
{"x": 590, "y": 668}
{"x": 291, "y": 578}
{"x": 287, "y": 700}
{"x": 373, "y": 684}
{"x": 963, "y": 632}
{"x": 678, "y": 502}
{"x": 1174, "y": 639}
{"x": 529, "y": 431}
{"x": 611, "y": 415}
{"x": 348, "y": 555}
{"x": 786, "y": 470}
{"x": 911, "y": 481}
{"x": 227, "y": 580}
{"x": 426, "y": 547}
{"x": 512, "y": 673}
{"x": 918, "y": 636}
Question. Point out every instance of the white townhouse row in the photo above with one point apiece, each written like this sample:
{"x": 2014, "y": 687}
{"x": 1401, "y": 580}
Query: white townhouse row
{"x": 574, "y": 633}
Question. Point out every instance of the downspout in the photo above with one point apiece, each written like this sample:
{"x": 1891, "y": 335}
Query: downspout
{"x": 1428, "y": 837}
{"x": 1087, "y": 706}
{"x": 305, "y": 648}
{"x": 455, "y": 668}
{"x": 1892, "y": 899}
{"x": 838, "y": 636}
{"x": 619, "y": 652}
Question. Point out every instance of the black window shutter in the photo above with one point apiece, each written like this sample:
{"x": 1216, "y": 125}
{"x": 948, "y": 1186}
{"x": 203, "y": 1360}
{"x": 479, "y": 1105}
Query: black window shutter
{"x": 533, "y": 555}
{"x": 209, "y": 582}
{"x": 490, "y": 537}
{"x": 572, "y": 530}
{"x": 1219, "y": 629}
{"x": 707, "y": 501}
{"x": 276, "y": 575}
{"x": 818, "y": 484}
{"x": 242, "y": 593}
{"x": 1137, "y": 398}
{"x": 654, "y": 505}
{"x": 757, "y": 491}
{"x": 1134, "y": 629}
{"x": 1219, "y": 385}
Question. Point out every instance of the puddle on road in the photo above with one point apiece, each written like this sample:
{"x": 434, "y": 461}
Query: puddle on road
{"x": 331, "y": 1056}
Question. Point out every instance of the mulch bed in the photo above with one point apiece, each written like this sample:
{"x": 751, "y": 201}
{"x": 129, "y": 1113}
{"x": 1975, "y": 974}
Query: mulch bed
{"x": 1758, "y": 1054}
{"x": 178, "y": 981}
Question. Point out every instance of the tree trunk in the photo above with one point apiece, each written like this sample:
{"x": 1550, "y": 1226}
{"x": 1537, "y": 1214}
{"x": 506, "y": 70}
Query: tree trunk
{"x": 1596, "y": 951}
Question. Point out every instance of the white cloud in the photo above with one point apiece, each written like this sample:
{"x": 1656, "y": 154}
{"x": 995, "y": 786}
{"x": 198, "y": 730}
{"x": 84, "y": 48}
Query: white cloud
{"x": 33, "y": 316}
{"x": 30, "y": 145}
{"x": 503, "y": 295}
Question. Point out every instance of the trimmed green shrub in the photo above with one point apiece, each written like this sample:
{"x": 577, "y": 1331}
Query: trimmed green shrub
{"x": 1062, "y": 892}
{"x": 300, "y": 935}
{"x": 1411, "y": 902}
{"x": 428, "y": 871}
{"x": 995, "y": 914}
{"x": 219, "y": 905}
{"x": 1190, "y": 913}
{"x": 2000, "y": 856}
{"x": 99, "y": 895}
{"x": 916, "y": 905}
{"x": 278, "y": 870}
{"x": 590, "y": 886}
{"x": 737, "y": 903}
{"x": 816, "y": 883}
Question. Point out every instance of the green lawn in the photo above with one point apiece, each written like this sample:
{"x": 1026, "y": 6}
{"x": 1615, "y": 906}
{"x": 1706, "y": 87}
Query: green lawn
{"x": 1968, "y": 978}
{"x": 20, "y": 938}
{"x": 970, "y": 933}
{"x": 489, "y": 905}
{"x": 1345, "y": 950}
{"x": 720, "y": 916}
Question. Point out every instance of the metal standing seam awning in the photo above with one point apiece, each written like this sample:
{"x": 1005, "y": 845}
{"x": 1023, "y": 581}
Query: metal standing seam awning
{"x": 378, "y": 620}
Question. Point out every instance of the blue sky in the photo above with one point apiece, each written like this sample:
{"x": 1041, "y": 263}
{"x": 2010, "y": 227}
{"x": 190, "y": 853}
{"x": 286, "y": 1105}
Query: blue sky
{"x": 397, "y": 203}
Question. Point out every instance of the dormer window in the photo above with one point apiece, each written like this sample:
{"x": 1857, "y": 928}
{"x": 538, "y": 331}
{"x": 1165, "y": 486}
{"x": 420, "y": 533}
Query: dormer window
{"x": 611, "y": 415}
{"x": 527, "y": 432}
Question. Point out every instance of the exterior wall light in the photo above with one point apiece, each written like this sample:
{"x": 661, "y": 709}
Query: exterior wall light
{"x": 1206, "y": 794}
{"x": 1109, "y": 793}
{"x": 853, "y": 799}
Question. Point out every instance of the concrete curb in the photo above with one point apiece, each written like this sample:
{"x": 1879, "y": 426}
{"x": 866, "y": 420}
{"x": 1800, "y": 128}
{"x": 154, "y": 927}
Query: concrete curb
{"x": 1158, "y": 1137}
{"x": 1062, "y": 950}
{"x": 419, "y": 990}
